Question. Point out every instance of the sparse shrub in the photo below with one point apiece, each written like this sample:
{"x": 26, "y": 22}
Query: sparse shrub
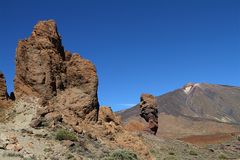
{"x": 30, "y": 158}
{"x": 171, "y": 153}
{"x": 156, "y": 154}
{"x": 153, "y": 152}
{"x": 48, "y": 150}
{"x": 13, "y": 155}
{"x": 69, "y": 156}
{"x": 238, "y": 137}
{"x": 222, "y": 156}
{"x": 63, "y": 134}
{"x": 170, "y": 158}
{"x": 121, "y": 155}
{"x": 139, "y": 134}
{"x": 193, "y": 153}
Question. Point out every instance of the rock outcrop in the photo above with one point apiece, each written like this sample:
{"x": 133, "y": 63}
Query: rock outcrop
{"x": 54, "y": 90}
{"x": 107, "y": 115}
{"x": 40, "y": 67}
{"x": 3, "y": 92}
{"x": 3, "y": 88}
{"x": 149, "y": 112}
{"x": 66, "y": 84}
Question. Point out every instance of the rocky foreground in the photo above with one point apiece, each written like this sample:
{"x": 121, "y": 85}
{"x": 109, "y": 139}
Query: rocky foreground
{"x": 56, "y": 94}
{"x": 19, "y": 141}
{"x": 54, "y": 112}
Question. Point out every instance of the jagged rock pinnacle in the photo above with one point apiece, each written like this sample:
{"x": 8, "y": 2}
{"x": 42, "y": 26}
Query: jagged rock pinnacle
{"x": 65, "y": 83}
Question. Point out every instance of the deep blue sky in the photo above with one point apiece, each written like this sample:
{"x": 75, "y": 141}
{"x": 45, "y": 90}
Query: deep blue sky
{"x": 152, "y": 46}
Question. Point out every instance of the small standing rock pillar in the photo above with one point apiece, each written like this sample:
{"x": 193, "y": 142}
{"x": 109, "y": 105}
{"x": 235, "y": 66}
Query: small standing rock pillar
{"x": 149, "y": 112}
{"x": 3, "y": 92}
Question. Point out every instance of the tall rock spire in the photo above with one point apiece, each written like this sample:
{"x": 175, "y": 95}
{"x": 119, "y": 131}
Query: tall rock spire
{"x": 149, "y": 112}
{"x": 40, "y": 63}
{"x": 44, "y": 70}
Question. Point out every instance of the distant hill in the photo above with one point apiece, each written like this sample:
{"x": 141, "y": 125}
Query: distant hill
{"x": 198, "y": 101}
{"x": 194, "y": 109}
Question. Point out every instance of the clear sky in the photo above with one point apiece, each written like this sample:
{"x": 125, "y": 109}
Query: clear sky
{"x": 151, "y": 46}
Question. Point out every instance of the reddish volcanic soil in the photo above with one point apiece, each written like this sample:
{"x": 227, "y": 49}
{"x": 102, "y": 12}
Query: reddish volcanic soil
{"x": 208, "y": 139}
{"x": 179, "y": 127}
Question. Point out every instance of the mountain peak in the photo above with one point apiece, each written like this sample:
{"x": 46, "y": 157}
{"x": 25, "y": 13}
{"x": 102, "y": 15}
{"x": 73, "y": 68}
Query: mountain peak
{"x": 189, "y": 86}
{"x": 199, "y": 100}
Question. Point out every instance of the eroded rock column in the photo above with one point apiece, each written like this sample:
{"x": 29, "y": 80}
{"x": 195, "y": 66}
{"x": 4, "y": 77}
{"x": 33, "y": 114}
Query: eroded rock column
{"x": 149, "y": 112}
{"x": 3, "y": 92}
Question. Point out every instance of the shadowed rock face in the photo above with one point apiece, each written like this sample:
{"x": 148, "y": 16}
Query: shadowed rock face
{"x": 5, "y": 99}
{"x": 66, "y": 84}
{"x": 3, "y": 88}
{"x": 149, "y": 112}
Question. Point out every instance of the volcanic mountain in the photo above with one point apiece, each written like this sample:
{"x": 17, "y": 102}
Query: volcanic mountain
{"x": 193, "y": 107}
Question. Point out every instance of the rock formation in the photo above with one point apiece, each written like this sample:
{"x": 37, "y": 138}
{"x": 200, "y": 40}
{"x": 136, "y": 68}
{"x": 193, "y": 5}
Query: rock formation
{"x": 149, "y": 112}
{"x": 3, "y": 92}
{"x": 106, "y": 115}
{"x": 66, "y": 84}
{"x": 63, "y": 87}
{"x": 5, "y": 99}
{"x": 40, "y": 67}
{"x": 3, "y": 88}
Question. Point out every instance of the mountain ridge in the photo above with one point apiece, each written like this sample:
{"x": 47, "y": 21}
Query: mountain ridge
{"x": 215, "y": 102}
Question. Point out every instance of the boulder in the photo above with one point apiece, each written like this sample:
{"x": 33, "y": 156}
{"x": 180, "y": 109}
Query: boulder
{"x": 149, "y": 112}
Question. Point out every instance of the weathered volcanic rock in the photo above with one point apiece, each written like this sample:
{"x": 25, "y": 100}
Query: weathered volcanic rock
{"x": 3, "y": 88}
{"x": 5, "y": 99}
{"x": 40, "y": 68}
{"x": 3, "y": 92}
{"x": 149, "y": 112}
{"x": 66, "y": 84}
{"x": 107, "y": 115}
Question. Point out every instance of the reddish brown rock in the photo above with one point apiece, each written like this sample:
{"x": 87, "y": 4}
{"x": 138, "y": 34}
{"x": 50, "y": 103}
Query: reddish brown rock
{"x": 107, "y": 115}
{"x": 66, "y": 84}
{"x": 40, "y": 63}
{"x": 3, "y": 88}
{"x": 149, "y": 112}
{"x": 3, "y": 92}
